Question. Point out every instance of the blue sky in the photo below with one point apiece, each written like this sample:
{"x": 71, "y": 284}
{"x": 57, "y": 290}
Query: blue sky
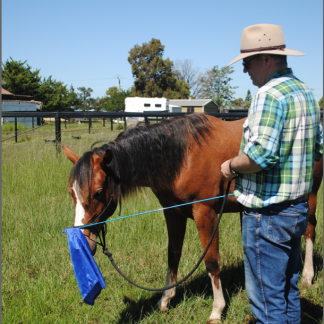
{"x": 86, "y": 43}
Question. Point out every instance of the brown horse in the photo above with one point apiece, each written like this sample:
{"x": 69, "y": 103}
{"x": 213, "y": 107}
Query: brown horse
{"x": 179, "y": 159}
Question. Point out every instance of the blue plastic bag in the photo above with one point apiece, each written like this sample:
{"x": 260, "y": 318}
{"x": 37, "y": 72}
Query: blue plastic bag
{"x": 86, "y": 270}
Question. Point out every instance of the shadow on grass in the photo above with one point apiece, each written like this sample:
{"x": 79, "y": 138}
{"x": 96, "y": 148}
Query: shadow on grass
{"x": 310, "y": 313}
{"x": 232, "y": 282}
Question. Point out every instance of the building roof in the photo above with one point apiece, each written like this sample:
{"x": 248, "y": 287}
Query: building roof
{"x": 190, "y": 102}
{"x": 4, "y": 91}
{"x": 6, "y": 95}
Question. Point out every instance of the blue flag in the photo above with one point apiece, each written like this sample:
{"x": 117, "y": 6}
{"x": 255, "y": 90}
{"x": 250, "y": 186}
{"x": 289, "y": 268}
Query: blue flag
{"x": 86, "y": 270}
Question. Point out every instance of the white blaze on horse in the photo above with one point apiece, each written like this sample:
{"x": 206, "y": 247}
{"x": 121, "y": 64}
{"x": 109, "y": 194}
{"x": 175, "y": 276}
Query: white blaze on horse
{"x": 179, "y": 159}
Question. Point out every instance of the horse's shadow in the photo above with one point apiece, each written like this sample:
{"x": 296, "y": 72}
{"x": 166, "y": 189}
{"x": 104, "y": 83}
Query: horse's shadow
{"x": 232, "y": 282}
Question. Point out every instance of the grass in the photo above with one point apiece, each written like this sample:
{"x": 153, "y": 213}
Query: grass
{"x": 10, "y": 127}
{"x": 38, "y": 282}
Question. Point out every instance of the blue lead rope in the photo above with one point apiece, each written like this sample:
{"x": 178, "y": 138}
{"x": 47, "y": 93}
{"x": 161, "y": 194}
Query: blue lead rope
{"x": 152, "y": 211}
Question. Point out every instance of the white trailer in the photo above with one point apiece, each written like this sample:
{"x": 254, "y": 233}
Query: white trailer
{"x": 137, "y": 104}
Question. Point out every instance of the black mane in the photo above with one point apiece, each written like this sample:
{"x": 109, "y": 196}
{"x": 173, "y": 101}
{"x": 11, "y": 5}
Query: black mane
{"x": 149, "y": 156}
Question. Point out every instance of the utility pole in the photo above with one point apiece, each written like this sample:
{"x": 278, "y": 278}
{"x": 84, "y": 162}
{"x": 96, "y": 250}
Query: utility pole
{"x": 118, "y": 82}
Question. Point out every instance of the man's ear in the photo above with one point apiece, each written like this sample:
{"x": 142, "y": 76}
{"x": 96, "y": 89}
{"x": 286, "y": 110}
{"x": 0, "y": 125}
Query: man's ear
{"x": 267, "y": 59}
{"x": 70, "y": 154}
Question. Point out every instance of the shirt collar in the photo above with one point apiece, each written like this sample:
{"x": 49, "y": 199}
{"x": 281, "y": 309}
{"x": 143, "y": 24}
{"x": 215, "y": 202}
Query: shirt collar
{"x": 281, "y": 73}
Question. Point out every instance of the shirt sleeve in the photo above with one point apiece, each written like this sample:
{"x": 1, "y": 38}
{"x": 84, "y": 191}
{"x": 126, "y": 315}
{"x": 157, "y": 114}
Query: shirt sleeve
{"x": 319, "y": 143}
{"x": 265, "y": 125}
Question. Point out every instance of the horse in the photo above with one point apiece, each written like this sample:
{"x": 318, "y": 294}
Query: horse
{"x": 179, "y": 159}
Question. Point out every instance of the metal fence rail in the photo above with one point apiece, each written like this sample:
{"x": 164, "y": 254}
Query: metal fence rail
{"x": 58, "y": 115}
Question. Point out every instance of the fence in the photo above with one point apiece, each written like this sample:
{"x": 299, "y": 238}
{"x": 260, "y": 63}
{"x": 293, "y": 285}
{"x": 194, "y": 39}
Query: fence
{"x": 58, "y": 115}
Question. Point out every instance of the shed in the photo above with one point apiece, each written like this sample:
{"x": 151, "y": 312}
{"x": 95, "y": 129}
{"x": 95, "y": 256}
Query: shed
{"x": 194, "y": 105}
{"x": 11, "y": 102}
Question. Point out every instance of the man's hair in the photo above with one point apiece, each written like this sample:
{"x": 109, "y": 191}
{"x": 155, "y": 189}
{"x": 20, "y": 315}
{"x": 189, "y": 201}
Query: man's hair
{"x": 279, "y": 59}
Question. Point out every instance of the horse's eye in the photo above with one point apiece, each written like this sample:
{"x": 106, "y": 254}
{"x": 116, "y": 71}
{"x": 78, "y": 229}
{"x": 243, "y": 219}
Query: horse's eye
{"x": 98, "y": 194}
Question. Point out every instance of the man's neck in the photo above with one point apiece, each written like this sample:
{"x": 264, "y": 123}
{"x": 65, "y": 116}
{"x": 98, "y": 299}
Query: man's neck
{"x": 273, "y": 70}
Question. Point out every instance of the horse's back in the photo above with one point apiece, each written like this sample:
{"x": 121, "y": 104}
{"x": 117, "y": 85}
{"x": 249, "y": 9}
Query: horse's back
{"x": 201, "y": 176}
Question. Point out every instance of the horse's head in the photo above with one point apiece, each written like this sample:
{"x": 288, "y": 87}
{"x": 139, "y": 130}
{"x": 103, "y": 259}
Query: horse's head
{"x": 91, "y": 191}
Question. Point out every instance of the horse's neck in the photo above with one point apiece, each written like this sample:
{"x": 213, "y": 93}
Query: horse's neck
{"x": 149, "y": 164}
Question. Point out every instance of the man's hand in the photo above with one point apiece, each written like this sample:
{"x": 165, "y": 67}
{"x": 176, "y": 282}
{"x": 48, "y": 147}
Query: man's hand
{"x": 241, "y": 164}
{"x": 226, "y": 170}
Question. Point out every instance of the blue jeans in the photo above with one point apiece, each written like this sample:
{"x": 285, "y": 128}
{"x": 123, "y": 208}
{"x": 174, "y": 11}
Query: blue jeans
{"x": 271, "y": 241}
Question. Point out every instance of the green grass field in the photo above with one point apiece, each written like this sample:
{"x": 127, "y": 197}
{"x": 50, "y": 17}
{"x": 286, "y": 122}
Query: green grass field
{"x": 38, "y": 282}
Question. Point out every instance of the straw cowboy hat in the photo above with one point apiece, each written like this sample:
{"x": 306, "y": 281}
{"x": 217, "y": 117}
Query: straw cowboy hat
{"x": 262, "y": 39}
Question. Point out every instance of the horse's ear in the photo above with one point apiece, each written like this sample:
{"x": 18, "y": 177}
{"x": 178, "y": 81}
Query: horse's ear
{"x": 70, "y": 154}
{"x": 108, "y": 157}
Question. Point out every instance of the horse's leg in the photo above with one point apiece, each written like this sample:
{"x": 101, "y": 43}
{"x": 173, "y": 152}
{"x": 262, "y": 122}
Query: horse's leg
{"x": 176, "y": 226}
{"x": 205, "y": 219}
{"x": 309, "y": 236}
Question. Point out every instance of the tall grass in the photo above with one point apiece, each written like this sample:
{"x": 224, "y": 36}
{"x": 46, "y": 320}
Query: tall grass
{"x": 38, "y": 282}
{"x": 10, "y": 127}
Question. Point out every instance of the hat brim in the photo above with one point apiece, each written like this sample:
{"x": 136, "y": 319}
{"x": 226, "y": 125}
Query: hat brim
{"x": 285, "y": 51}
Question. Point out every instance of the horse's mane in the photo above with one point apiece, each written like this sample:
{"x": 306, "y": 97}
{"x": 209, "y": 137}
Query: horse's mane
{"x": 146, "y": 155}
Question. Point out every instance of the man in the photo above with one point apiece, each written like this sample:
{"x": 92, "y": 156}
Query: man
{"x": 281, "y": 139}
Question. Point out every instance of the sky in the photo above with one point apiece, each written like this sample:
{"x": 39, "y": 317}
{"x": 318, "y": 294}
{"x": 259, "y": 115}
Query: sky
{"x": 86, "y": 43}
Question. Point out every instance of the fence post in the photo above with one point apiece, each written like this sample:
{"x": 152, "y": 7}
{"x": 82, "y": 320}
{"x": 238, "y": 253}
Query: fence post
{"x": 89, "y": 124}
{"x": 58, "y": 133}
{"x": 125, "y": 125}
{"x": 111, "y": 124}
{"x": 103, "y": 122}
{"x": 147, "y": 123}
{"x": 65, "y": 122}
{"x": 16, "y": 129}
{"x": 33, "y": 123}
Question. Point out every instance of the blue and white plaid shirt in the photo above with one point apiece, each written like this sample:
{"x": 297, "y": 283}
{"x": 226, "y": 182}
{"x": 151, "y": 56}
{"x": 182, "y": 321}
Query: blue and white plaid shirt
{"x": 283, "y": 135}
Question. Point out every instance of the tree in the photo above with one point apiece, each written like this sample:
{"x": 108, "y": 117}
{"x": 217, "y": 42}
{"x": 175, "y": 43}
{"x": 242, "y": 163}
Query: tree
{"x": 248, "y": 96}
{"x": 84, "y": 100}
{"x": 19, "y": 78}
{"x": 180, "y": 91}
{"x": 216, "y": 85}
{"x": 115, "y": 100}
{"x": 153, "y": 74}
{"x": 239, "y": 103}
{"x": 320, "y": 103}
{"x": 186, "y": 71}
{"x": 55, "y": 96}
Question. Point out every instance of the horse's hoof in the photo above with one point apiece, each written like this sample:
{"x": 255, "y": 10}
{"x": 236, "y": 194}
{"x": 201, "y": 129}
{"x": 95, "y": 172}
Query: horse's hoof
{"x": 161, "y": 309}
{"x": 214, "y": 321}
{"x": 306, "y": 283}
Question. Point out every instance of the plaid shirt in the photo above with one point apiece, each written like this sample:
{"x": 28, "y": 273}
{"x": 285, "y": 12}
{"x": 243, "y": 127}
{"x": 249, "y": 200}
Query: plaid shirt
{"x": 283, "y": 135}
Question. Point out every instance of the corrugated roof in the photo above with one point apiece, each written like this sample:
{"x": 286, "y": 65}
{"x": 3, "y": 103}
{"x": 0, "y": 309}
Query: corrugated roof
{"x": 29, "y": 101}
{"x": 187, "y": 102}
{"x": 4, "y": 91}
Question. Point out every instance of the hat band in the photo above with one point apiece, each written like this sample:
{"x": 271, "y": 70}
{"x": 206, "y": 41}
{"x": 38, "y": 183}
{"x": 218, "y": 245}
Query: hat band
{"x": 260, "y": 49}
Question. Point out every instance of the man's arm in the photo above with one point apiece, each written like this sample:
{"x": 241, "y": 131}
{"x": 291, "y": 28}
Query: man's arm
{"x": 240, "y": 164}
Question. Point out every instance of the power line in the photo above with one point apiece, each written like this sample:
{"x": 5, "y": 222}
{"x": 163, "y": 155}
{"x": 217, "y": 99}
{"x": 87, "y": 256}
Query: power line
{"x": 99, "y": 79}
